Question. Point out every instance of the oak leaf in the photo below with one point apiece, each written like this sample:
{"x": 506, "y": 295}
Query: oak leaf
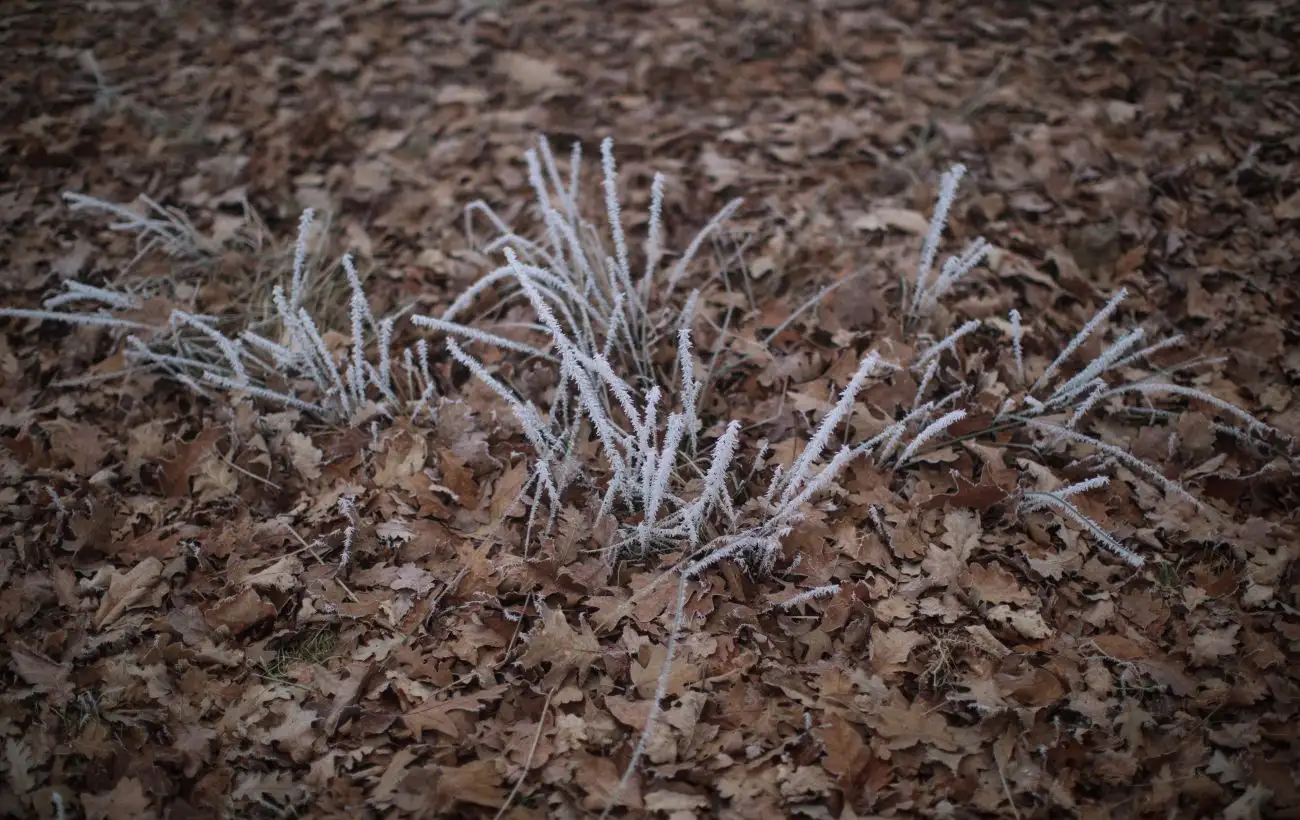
{"x": 1209, "y": 645}
{"x": 904, "y": 726}
{"x": 240, "y": 612}
{"x": 127, "y": 589}
{"x": 437, "y": 715}
{"x": 44, "y": 675}
{"x": 1119, "y": 647}
{"x": 1027, "y": 622}
{"x": 127, "y": 801}
{"x": 404, "y": 457}
{"x": 846, "y": 752}
{"x": 530, "y": 74}
{"x": 477, "y": 782}
{"x": 556, "y": 643}
{"x": 891, "y": 649}
{"x": 303, "y": 455}
{"x": 994, "y": 584}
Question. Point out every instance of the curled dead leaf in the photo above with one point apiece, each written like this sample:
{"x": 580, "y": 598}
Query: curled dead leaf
{"x": 241, "y": 612}
{"x": 1027, "y": 623}
{"x": 127, "y": 589}
{"x": 349, "y": 694}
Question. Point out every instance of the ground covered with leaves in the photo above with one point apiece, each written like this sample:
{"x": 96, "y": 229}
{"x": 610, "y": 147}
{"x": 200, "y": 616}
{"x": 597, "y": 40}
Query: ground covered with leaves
{"x": 182, "y": 636}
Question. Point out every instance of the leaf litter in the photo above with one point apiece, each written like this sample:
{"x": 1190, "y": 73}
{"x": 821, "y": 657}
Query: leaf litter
{"x": 182, "y": 636}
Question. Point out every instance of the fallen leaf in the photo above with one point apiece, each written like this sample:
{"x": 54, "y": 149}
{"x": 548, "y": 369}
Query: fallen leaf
{"x": 1288, "y": 208}
{"x": 19, "y": 765}
{"x": 195, "y": 746}
{"x": 891, "y": 649}
{"x": 530, "y": 74}
{"x": 77, "y": 442}
{"x": 282, "y": 576}
{"x": 214, "y": 479}
{"x": 1119, "y": 647}
{"x": 1209, "y": 645}
{"x": 127, "y": 801}
{"x": 405, "y": 456}
{"x": 995, "y": 585}
{"x": 1251, "y": 804}
{"x": 303, "y": 455}
{"x": 294, "y": 734}
{"x": 884, "y": 218}
{"x": 477, "y": 782}
{"x": 1037, "y": 687}
{"x": 359, "y": 676}
{"x": 506, "y": 495}
{"x": 239, "y": 612}
{"x": 42, "y": 674}
{"x": 904, "y": 725}
{"x": 1027, "y": 622}
{"x": 126, "y": 590}
{"x": 458, "y": 478}
{"x": 70, "y": 265}
{"x": 558, "y": 644}
{"x": 435, "y": 715}
{"x": 846, "y": 752}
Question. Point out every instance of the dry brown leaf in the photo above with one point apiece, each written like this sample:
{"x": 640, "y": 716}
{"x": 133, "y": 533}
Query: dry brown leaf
{"x": 1027, "y": 622}
{"x": 558, "y": 644}
{"x": 846, "y": 752}
{"x": 294, "y": 734}
{"x": 405, "y": 456}
{"x": 436, "y": 715}
{"x": 19, "y": 765}
{"x": 994, "y": 584}
{"x": 1288, "y": 208}
{"x": 214, "y": 479}
{"x": 904, "y": 725}
{"x": 646, "y": 676}
{"x": 530, "y": 74}
{"x": 458, "y": 477}
{"x": 882, "y": 219}
{"x": 477, "y": 782}
{"x": 1211, "y": 645}
{"x": 506, "y": 494}
{"x": 1119, "y": 647}
{"x": 127, "y": 801}
{"x": 42, "y": 674}
{"x": 239, "y": 612}
{"x": 891, "y": 649}
{"x": 304, "y": 455}
{"x": 598, "y": 779}
{"x": 79, "y": 443}
{"x": 1036, "y": 687}
{"x": 126, "y": 590}
{"x": 282, "y": 576}
{"x": 349, "y": 693}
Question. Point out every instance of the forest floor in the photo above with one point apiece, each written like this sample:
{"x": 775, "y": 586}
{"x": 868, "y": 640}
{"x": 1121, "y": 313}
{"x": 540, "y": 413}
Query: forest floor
{"x": 179, "y": 639}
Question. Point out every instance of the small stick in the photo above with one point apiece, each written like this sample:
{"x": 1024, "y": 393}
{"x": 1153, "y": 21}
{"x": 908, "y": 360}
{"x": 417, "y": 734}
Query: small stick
{"x": 537, "y": 736}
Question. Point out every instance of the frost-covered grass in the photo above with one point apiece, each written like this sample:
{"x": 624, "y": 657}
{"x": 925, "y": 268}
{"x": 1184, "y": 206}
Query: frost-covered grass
{"x": 604, "y": 306}
{"x": 286, "y": 359}
{"x": 701, "y": 502}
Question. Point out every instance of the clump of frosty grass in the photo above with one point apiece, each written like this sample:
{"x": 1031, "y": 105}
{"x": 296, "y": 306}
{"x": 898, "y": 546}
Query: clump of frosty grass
{"x": 594, "y": 314}
{"x": 600, "y": 322}
{"x": 601, "y": 313}
{"x": 284, "y": 360}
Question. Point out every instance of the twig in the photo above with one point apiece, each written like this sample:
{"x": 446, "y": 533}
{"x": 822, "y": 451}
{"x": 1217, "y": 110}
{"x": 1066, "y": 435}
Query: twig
{"x": 822, "y": 294}
{"x": 268, "y": 482}
{"x": 661, "y": 689}
{"x": 537, "y": 736}
{"x": 1006, "y": 788}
